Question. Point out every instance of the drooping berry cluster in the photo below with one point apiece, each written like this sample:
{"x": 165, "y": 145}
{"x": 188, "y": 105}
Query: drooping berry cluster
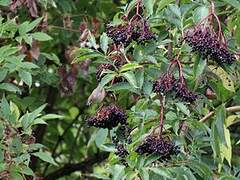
{"x": 156, "y": 145}
{"x": 164, "y": 83}
{"x": 107, "y": 117}
{"x": 207, "y": 43}
{"x": 167, "y": 83}
{"x": 181, "y": 91}
{"x": 137, "y": 30}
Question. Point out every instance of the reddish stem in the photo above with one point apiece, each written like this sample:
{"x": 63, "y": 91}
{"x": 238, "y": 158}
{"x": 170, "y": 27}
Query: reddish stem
{"x": 161, "y": 115}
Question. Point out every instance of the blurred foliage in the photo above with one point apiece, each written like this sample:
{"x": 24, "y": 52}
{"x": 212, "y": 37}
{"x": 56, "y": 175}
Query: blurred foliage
{"x": 49, "y": 54}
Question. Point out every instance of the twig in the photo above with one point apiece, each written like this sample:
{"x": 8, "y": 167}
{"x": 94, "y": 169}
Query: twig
{"x": 210, "y": 114}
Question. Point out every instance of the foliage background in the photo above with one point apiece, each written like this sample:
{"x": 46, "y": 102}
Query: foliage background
{"x": 38, "y": 40}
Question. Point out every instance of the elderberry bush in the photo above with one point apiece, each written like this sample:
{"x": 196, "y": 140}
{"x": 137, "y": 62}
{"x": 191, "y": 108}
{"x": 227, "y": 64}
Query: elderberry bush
{"x": 107, "y": 117}
{"x": 206, "y": 42}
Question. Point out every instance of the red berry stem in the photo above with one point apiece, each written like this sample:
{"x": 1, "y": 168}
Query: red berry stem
{"x": 162, "y": 102}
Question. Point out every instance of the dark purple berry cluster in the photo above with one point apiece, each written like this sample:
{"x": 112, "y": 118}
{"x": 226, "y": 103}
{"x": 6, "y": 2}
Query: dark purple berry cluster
{"x": 155, "y": 145}
{"x": 164, "y": 83}
{"x": 205, "y": 41}
{"x": 167, "y": 83}
{"x": 108, "y": 117}
{"x": 181, "y": 91}
{"x": 121, "y": 151}
{"x": 136, "y": 30}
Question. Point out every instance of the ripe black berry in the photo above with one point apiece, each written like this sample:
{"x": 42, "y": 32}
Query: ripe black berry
{"x": 121, "y": 151}
{"x": 181, "y": 91}
{"x": 164, "y": 83}
{"x": 156, "y": 145}
{"x": 108, "y": 117}
{"x": 205, "y": 41}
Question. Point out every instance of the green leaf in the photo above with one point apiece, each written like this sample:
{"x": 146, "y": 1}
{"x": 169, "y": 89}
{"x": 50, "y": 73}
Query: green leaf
{"x": 45, "y": 156}
{"x": 26, "y": 170}
{"x": 9, "y": 87}
{"x": 3, "y": 74}
{"x": 106, "y": 79}
{"x": 226, "y": 150}
{"x": 104, "y": 42}
{"x": 129, "y": 66}
{"x": 183, "y": 108}
{"x": 92, "y": 41}
{"x": 201, "y": 169}
{"x": 130, "y": 76}
{"x": 163, "y": 3}
{"x": 219, "y": 123}
{"x": 101, "y": 137}
{"x": 27, "y": 26}
{"x": 233, "y": 3}
{"x": 5, "y": 108}
{"x": 5, "y": 2}
{"x": 41, "y": 36}
{"x": 199, "y": 66}
{"x": 26, "y": 77}
{"x": 164, "y": 172}
{"x": 149, "y": 4}
{"x": 83, "y": 54}
{"x": 52, "y": 116}
{"x": 200, "y": 13}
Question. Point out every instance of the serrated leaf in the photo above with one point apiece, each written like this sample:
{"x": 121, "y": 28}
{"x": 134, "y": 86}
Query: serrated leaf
{"x": 41, "y": 36}
{"x": 45, "y": 156}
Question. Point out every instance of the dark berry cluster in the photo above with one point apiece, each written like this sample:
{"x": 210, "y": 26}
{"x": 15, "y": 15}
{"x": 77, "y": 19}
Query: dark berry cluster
{"x": 121, "y": 151}
{"x": 205, "y": 41}
{"x": 108, "y": 117}
{"x": 159, "y": 146}
{"x": 137, "y": 30}
{"x": 164, "y": 83}
{"x": 181, "y": 91}
{"x": 167, "y": 83}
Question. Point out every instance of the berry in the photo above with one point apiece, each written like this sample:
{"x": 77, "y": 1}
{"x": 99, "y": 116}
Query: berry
{"x": 164, "y": 84}
{"x": 108, "y": 117}
{"x": 121, "y": 151}
{"x": 138, "y": 30}
{"x": 156, "y": 145}
{"x": 205, "y": 41}
{"x": 120, "y": 34}
{"x": 182, "y": 91}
